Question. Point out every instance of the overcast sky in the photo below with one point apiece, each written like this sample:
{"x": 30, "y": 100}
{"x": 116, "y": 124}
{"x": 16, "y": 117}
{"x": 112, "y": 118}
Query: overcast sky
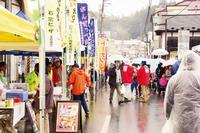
{"x": 123, "y": 7}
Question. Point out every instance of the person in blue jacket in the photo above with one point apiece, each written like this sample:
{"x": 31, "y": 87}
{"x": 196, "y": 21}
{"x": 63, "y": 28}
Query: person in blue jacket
{"x": 175, "y": 67}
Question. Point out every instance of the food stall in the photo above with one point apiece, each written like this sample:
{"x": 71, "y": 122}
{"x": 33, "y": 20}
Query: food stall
{"x": 15, "y": 34}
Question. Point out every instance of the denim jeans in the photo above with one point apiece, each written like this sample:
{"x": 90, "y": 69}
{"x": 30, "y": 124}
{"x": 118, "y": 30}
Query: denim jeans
{"x": 83, "y": 102}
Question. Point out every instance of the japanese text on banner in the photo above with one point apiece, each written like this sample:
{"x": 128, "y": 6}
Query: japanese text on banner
{"x": 92, "y": 37}
{"x": 55, "y": 23}
{"x": 83, "y": 23}
{"x": 102, "y": 54}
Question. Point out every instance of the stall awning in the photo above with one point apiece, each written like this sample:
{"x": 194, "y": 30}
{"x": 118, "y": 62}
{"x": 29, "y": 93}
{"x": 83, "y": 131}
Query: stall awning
{"x": 16, "y": 33}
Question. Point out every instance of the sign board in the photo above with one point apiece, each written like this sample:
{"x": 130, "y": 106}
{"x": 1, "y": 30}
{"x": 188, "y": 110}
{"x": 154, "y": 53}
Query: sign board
{"x": 183, "y": 42}
{"x": 32, "y": 116}
{"x": 68, "y": 117}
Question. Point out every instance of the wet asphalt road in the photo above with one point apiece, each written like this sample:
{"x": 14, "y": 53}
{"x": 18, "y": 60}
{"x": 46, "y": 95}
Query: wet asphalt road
{"x": 133, "y": 117}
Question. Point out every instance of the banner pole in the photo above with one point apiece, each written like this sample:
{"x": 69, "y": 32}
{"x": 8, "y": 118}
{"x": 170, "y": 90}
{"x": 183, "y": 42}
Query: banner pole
{"x": 42, "y": 66}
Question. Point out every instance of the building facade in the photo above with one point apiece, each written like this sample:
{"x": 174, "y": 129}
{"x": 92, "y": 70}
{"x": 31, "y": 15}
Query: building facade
{"x": 168, "y": 21}
{"x": 128, "y": 48}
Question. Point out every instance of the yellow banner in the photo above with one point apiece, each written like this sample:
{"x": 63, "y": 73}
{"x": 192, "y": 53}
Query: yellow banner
{"x": 102, "y": 54}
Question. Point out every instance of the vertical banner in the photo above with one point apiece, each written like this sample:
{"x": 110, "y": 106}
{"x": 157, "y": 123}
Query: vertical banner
{"x": 92, "y": 37}
{"x": 183, "y": 42}
{"x": 83, "y": 23}
{"x": 55, "y": 23}
{"x": 51, "y": 22}
{"x": 61, "y": 18}
{"x": 71, "y": 31}
{"x": 102, "y": 52}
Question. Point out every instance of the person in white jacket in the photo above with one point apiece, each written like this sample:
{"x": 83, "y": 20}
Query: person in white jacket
{"x": 182, "y": 99}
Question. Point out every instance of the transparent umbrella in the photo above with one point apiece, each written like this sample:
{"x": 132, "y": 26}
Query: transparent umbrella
{"x": 160, "y": 52}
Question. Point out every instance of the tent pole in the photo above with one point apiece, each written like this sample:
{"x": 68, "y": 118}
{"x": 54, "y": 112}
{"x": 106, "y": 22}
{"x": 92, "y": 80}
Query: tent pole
{"x": 42, "y": 66}
{"x": 64, "y": 79}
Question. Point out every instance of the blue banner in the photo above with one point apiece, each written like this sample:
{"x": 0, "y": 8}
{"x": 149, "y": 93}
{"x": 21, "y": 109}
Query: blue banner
{"x": 92, "y": 37}
{"x": 83, "y": 23}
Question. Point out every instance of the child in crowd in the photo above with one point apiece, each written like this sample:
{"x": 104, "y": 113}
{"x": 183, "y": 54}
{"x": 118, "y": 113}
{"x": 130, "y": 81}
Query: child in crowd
{"x": 163, "y": 84}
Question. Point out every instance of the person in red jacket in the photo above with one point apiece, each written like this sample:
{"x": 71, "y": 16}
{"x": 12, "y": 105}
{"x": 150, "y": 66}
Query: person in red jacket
{"x": 143, "y": 77}
{"x": 57, "y": 73}
{"x": 127, "y": 79}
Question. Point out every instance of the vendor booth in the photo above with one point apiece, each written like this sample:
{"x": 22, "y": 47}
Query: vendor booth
{"x": 15, "y": 34}
{"x": 19, "y": 37}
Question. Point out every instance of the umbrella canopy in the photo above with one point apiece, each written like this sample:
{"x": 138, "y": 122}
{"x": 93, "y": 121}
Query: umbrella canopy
{"x": 113, "y": 58}
{"x": 16, "y": 33}
{"x": 196, "y": 48}
{"x": 160, "y": 52}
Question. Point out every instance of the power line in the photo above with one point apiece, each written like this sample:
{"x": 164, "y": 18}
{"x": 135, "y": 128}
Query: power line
{"x": 180, "y": 11}
{"x": 102, "y": 13}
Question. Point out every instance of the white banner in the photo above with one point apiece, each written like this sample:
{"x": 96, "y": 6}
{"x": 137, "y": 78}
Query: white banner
{"x": 72, "y": 34}
{"x": 183, "y": 42}
{"x": 55, "y": 23}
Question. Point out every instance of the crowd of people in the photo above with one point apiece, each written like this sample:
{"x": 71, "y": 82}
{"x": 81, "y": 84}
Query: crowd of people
{"x": 179, "y": 83}
{"x": 129, "y": 81}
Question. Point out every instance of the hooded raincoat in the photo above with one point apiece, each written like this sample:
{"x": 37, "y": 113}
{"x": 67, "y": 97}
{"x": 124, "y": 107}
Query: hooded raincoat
{"x": 182, "y": 99}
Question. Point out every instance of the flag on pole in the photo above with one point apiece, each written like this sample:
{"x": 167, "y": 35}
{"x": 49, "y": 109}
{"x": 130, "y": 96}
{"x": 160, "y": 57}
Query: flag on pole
{"x": 92, "y": 37}
{"x": 83, "y": 23}
{"x": 55, "y": 23}
{"x": 102, "y": 54}
{"x": 71, "y": 40}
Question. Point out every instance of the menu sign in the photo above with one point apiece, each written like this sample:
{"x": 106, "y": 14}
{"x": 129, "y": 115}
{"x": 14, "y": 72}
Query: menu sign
{"x": 68, "y": 116}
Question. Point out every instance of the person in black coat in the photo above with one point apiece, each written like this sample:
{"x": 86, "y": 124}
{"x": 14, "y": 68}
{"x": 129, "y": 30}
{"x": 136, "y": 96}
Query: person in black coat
{"x": 160, "y": 70}
{"x": 113, "y": 73}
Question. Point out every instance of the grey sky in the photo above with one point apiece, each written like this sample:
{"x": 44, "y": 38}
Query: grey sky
{"x": 123, "y": 7}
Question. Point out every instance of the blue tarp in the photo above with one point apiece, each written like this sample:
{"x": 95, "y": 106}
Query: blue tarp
{"x": 23, "y": 16}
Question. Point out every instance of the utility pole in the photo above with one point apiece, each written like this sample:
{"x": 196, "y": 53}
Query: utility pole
{"x": 7, "y": 58}
{"x": 102, "y": 14}
{"x": 104, "y": 2}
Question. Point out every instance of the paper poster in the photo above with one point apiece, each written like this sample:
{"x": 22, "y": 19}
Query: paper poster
{"x": 67, "y": 117}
